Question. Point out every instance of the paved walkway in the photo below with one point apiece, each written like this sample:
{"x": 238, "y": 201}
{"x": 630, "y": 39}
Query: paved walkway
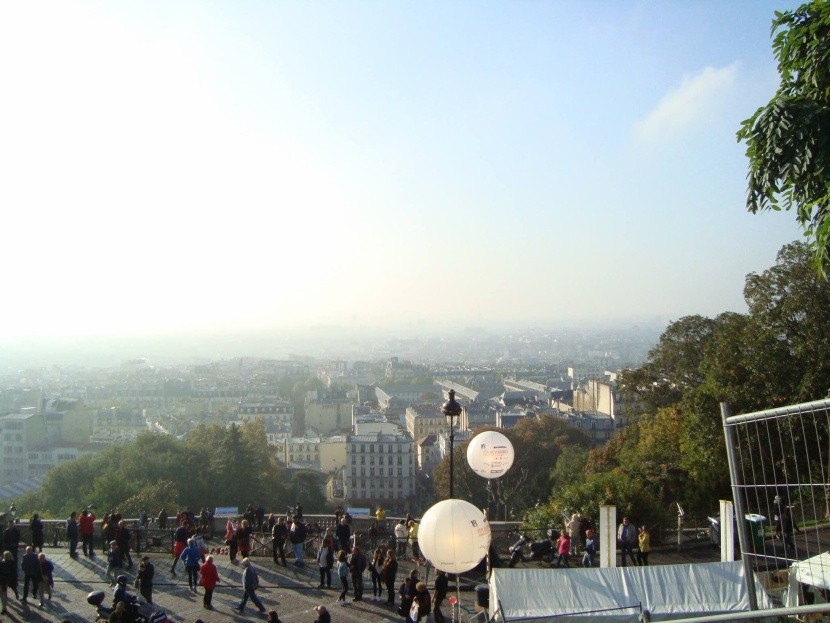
{"x": 291, "y": 591}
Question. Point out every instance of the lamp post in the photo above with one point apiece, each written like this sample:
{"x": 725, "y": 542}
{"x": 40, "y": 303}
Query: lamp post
{"x": 451, "y": 410}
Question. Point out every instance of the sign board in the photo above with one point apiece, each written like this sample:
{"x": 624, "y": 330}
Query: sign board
{"x": 226, "y": 511}
{"x": 358, "y": 512}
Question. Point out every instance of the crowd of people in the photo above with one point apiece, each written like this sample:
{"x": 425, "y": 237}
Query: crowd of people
{"x": 336, "y": 549}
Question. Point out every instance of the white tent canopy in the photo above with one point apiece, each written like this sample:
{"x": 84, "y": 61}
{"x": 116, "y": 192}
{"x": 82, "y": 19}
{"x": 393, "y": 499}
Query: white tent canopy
{"x": 620, "y": 593}
{"x": 814, "y": 571}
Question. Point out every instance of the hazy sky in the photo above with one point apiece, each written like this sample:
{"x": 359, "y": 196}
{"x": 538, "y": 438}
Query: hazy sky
{"x": 170, "y": 165}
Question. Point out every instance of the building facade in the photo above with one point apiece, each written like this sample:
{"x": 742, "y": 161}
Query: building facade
{"x": 379, "y": 468}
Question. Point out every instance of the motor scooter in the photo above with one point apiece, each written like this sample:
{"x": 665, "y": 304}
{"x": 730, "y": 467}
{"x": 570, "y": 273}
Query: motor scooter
{"x": 542, "y": 550}
{"x": 517, "y": 551}
{"x": 135, "y": 611}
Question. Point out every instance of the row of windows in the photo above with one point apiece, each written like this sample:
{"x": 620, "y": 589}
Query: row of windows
{"x": 379, "y": 446}
{"x": 299, "y": 457}
{"x": 389, "y": 472}
{"x": 10, "y": 437}
{"x": 383, "y": 484}
{"x": 377, "y": 495}
{"x": 380, "y": 462}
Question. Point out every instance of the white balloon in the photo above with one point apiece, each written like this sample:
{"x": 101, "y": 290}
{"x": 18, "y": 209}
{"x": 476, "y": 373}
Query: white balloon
{"x": 454, "y": 536}
{"x": 490, "y": 454}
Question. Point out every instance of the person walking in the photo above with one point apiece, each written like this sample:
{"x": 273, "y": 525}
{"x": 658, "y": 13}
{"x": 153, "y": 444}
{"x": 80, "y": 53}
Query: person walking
{"x": 192, "y": 557}
{"x": 8, "y": 579}
{"x": 645, "y": 547}
{"x": 343, "y": 574}
{"x": 146, "y": 573}
{"x": 357, "y": 565}
{"x": 627, "y": 537}
{"x": 179, "y": 544}
{"x": 250, "y": 583}
{"x": 388, "y": 573}
{"x": 72, "y": 534}
{"x": 209, "y": 578}
{"x": 114, "y": 562}
{"x": 31, "y": 573}
{"x": 47, "y": 579}
{"x": 86, "y": 524}
{"x": 439, "y": 594}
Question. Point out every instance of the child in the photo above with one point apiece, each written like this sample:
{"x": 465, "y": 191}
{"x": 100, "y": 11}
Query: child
{"x": 588, "y": 558}
{"x": 343, "y": 573}
{"x": 114, "y": 562}
{"x": 564, "y": 547}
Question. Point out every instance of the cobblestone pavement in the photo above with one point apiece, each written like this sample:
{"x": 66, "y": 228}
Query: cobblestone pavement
{"x": 291, "y": 591}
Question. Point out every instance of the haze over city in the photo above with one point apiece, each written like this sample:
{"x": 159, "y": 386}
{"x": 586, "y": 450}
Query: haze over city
{"x": 232, "y": 169}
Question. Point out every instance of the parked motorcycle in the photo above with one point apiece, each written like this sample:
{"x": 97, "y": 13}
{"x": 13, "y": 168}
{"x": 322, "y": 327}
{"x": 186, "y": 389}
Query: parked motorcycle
{"x": 543, "y": 550}
{"x": 517, "y": 551}
{"x": 136, "y": 611}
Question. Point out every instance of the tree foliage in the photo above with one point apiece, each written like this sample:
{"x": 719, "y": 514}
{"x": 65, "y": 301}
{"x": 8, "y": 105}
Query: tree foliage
{"x": 213, "y": 466}
{"x": 538, "y": 443}
{"x": 774, "y": 355}
{"x": 788, "y": 139}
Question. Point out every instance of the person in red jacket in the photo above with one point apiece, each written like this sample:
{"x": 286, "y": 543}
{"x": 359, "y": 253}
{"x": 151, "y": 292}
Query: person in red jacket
{"x": 86, "y": 524}
{"x": 208, "y": 578}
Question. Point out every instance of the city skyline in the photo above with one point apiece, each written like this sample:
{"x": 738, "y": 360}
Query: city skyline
{"x": 262, "y": 166}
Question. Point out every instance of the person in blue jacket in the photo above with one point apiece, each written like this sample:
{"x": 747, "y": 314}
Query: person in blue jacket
{"x": 192, "y": 558}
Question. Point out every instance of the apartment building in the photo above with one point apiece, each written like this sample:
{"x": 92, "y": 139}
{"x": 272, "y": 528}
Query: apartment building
{"x": 379, "y": 468}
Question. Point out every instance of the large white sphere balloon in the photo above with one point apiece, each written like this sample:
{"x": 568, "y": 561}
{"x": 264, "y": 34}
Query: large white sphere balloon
{"x": 490, "y": 454}
{"x": 454, "y": 535}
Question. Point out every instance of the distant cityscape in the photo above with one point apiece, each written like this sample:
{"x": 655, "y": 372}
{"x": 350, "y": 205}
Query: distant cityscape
{"x": 371, "y": 422}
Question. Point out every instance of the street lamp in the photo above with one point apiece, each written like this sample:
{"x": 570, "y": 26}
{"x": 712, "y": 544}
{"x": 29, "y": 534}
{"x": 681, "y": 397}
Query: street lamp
{"x": 451, "y": 410}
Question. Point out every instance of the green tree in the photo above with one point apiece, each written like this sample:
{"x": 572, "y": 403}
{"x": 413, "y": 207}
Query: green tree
{"x": 788, "y": 139}
{"x": 538, "y": 441}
